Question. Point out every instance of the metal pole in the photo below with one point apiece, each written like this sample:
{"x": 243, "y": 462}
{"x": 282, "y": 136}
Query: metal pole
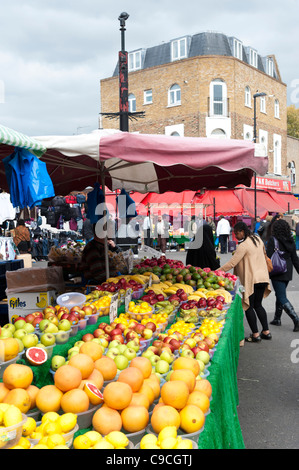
{"x": 254, "y": 140}
{"x": 105, "y": 215}
{"x": 123, "y": 77}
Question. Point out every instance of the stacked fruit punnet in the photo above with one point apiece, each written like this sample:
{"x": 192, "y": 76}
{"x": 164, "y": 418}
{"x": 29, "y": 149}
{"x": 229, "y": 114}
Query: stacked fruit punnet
{"x": 10, "y": 416}
{"x": 167, "y": 439}
{"x": 17, "y": 388}
{"x": 94, "y": 440}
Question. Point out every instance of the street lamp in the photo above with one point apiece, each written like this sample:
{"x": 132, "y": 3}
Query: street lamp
{"x": 123, "y": 77}
{"x": 255, "y": 96}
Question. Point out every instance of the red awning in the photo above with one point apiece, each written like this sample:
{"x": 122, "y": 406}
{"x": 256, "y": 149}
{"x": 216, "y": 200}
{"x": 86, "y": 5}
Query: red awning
{"x": 226, "y": 203}
{"x": 264, "y": 202}
{"x": 286, "y": 200}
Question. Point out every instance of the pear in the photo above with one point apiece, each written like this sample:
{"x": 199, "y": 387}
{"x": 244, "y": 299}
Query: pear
{"x": 56, "y": 362}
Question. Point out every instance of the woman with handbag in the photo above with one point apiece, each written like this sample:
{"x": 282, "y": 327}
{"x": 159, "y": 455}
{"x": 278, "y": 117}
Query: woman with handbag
{"x": 249, "y": 264}
{"x": 282, "y": 235}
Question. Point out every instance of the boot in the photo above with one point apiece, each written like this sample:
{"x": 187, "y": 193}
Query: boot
{"x": 277, "y": 315}
{"x": 289, "y": 309}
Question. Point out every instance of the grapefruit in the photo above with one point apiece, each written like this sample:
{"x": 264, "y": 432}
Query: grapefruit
{"x": 133, "y": 377}
{"x": 17, "y": 376}
{"x": 83, "y": 362}
{"x": 117, "y": 395}
{"x": 186, "y": 375}
{"x": 204, "y": 386}
{"x": 107, "y": 367}
{"x": 20, "y": 398}
{"x": 155, "y": 386}
{"x": 163, "y": 416}
{"x": 140, "y": 399}
{"x": 186, "y": 363}
{"x": 148, "y": 391}
{"x": 92, "y": 349}
{"x": 134, "y": 418}
{"x": 3, "y": 391}
{"x": 97, "y": 378}
{"x": 93, "y": 393}
{"x": 32, "y": 391}
{"x": 106, "y": 420}
{"x": 75, "y": 401}
{"x": 67, "y": 377}
{"x": 192, "y": 419}
{"x": 199, "y": 399}
{"x": 142, "y": 363}
{"x": 48, "y": 398}
{"x": 36, "y": 356}
{"x": 9, "y": 348}
{"x": 175, "y": 393}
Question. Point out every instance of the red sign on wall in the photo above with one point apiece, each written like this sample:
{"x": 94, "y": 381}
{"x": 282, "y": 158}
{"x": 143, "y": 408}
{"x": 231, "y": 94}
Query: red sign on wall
{"x": 262, "y": 182}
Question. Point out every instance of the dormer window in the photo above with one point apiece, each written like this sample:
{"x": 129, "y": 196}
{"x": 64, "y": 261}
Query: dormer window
{"x": 134, "y": 61}
{"x": 238, "y": 49}
{"x": 253, "y": 57}
{"x": 270, "y": 67}
{"x": 179, "y": 49}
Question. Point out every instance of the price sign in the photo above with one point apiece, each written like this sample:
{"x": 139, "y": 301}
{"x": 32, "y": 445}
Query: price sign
{"x": 128, "y": 298}
{"x": 113, "y": 309}
{"x": 150, "y": 281}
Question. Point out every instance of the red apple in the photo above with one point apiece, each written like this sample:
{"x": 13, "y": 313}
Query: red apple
{"x": 151, "y": 325}
{"x": 87, "y": 309}
{"x": 115, "y": 331}
{"x": 87, "y": 337}
{"x": 131, "y": 335}
{"x": 29, "y": 318}
{"x": 38, "y": 314}
{"x": 98, "y": 332}
{"x": 119, "y": 338}
{"x": 158, "y": 343}
{"x": 36, "y": 321}
{"x": 202, "y": 346}
{"x": 108, "y": 329}
{"x": 49, "y": 309}
{"x": 121, "y": 326}
{"x": 139, "y": 328}
{"x": 175, "y": 343}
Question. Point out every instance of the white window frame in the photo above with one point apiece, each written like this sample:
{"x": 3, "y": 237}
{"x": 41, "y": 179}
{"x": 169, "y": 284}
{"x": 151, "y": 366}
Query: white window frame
{"x": 253, "y": 57}
{"x": 263, "y": 139}
{"x": 277, "y": 154}
{"x": 174, "y": 95}
{"x": 270, "y": 67}
{"x": 176, "y": 130}
{"x": 132, "y": 103}
{"x": 263, "y": 104}
{"x": 248, "y": 97}
{"x": 134, "y": 61}
{"x": 148, "y": 96}
{"x": 222, "y": 103}
{"x": 181, "y": 46}
{"x": 238, "y": 49}
{"x": 293, "y": 173}
{"x": 276, "y": 109}
{"x": 247, "y": 132}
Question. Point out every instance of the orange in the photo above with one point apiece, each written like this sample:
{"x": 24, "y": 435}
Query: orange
{"x": 67, "y": 377}
{"x": 83, "y": 362}
{"x": 186, "y": 363}
{"x": 92, "y": 349}
{"x": 134, "y": 418}
{"x": 17, "y": 376}
{"x": 204, "y": 386}
{"x": 133, "y": 377}
{"x": 75, "y": 401}
{"x": 3, "y": 391}
{"x": 175, "y": 393}
{"x": 186, "y": 375}
{"x": 192, "y": 419}
{"x": 9, "y": 348}
{"x": 117, "y": 395}
{"x": 148, "y": 391}
{"x": 155, "y": 386}
{"x": 97, "y": 378}
{"x": 48, "y": 398}
{"x": 199, "y": 399}
{"x": 140, "y": 399}
{"x": 142, "y": 363}
{"x": 20, "y": 398}
{"x": 107, "y": 367}
{"x": 32, "y": 391}
{"x": 165, "y": 416}
{"x": 106, "y": 420}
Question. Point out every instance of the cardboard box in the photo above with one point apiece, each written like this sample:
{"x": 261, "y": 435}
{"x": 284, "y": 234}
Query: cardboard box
{"x": 22, "y": 303}
{"x": 37, "y": 280}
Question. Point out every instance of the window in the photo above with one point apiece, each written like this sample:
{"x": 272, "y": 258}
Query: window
{"x": 218, "y": 98}
{"x": 174, "y": 95}
{"x": 292, "y": 166}
{"x": 175, "y": 134}
{"x": 276, "y": 109}
{"x": 175, "y": 130}
{"x": 148, "y": 97}
{"x": 247, "y": 97}
{"x": 134, "y": 61}
{"x": 179, "y": 49}
{"x": 238, "y": 49}
{"x": 263, "y": 104}
{"x": 263, "y": 139}
{"x": 253, "y": 57}
{"x": 277, "y": 154}
{"x": 248, "y": 132}
{"x": 218, "y": 134}
{"x": 132, "y": 103}
{"x": 270, "y": 67}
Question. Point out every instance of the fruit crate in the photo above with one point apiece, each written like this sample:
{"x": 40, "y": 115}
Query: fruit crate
{"x": 11, "y": 435}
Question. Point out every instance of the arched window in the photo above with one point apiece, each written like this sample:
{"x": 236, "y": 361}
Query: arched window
{"x": 132, "y": 103}
{"x": 218, "y": 98}
{"x": 247, "y": 96}
{"x": 174, "y": 95}
{"x": 218, "y": 134}
{"x": 175, "y": 134}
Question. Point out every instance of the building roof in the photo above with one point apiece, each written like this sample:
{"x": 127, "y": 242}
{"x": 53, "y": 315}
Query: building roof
{"x": 201, "y": 44}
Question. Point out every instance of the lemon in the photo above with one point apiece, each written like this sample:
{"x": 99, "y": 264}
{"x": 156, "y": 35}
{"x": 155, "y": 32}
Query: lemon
{"x": 150, "y": 446}
{"x": 40, "y": 446}
{"x": 51, "y": 416}
{"x": 103, "y": 444}
{"x": 43, "y": 440}
{"x": 67, "y": 422}
{"x": 1, "y": 416}
{"x": 117, "y": 439}
{"x": 61, "y": 446}
{"x": 184, "y": 444}
{"x": 4, "y": 406}
{"x": 36, "y": 436}
{"x": 94, "y": 436}
{"x": 82, "y": 442}
{"x": 168, "y": 443}
{"x": 168, "y": 431}
{"x": 17, "y": 447}
{"x": 29, "y": 427}
{"x": 148, "y": 439}
{"x": 12, "y": 416}
{"x": 24, "y": 442}
{"x": 55, "y": 440}
{"x": 52, "y": 428}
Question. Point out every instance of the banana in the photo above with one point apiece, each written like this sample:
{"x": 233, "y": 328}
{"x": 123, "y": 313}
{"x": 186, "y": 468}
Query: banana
{"x": 42, "y": 303}
{"x": 155, "y": 278}
{"x": 168, "y": 283}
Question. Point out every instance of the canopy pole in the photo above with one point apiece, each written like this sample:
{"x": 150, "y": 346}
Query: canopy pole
{"x": 105, "y": 226}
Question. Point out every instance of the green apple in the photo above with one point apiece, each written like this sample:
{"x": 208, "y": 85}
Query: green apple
{"x": 122, "y": 348}
{"x": 166, "y": 356}
{"x": 147, "y": 333}
{"x": 204, "y": 356}
{"x": 51, "y": 328}
{"x": 62, "y": 337}
{"x": 47, "y": 339}
{"x": 130, "y": 353}
{"x": 201, "y": 365}
{"x": 6, "y": 333}
{"x": 162, "y": 367}
{"x": 42, "y": 324}
{"x": 72, "y": 350}
{"x": 148, "y": 353}
{"x": 134, "y": 344}
{"x": 20, "y": 333}
{"x": 19, "y": 324}
{"x": 78, "y": 344}
{"x": 187, "y": 353}
{"x": 114, "y": 343}
{"x": 57, "y": 361}
{"x": 103, "y": 342}
{"x": 154, "y": 359}
{"x": 10, "y": 327}
{"x": 30, "y": 340}
{"x": 64, "y": 325}
{"x": 29, "y": 328}
{"x": 121, "y": 361}
{"x": 112, "y": 352}
{"x": 167, "y": 378}
{"x": 21, "y": 345}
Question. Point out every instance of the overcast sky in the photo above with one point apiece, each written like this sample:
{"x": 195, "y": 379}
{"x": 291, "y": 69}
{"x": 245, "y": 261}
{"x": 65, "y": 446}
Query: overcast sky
{"x": 53, "y": 53}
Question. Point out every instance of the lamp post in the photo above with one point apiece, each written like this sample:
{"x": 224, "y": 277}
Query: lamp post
{"x": 123, "y": 77}
{"x": 255, "y": 96}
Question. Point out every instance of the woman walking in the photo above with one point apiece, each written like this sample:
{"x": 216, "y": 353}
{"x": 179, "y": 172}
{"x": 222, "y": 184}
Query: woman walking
{"x": 281, "y": 231}
{"x": 249, "y": 263}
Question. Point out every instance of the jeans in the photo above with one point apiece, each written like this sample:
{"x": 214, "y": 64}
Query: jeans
{"x": 223, "y": 243}
{"x": 280, "y": 288}
{"x": 256, "y": 310}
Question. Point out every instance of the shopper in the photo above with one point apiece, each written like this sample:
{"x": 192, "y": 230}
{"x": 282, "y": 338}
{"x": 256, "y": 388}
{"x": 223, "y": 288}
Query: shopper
{"x": 161, "y": 234}
{"x": 204, "y": 256}
{"x": 268, "y": 230}
{"x": 21, "y": 237}
{"x": 211, "y": 223}
{"x": 249, "y": 263}
{"x": 223, "y": 231}
{"x": 192, "y": 227}
{"x": 263, "y": 228}
{"x": 297, "y": 236}
{"x": 257, "y": 224}
{"x": 281, "y": 231}
{"x": 147, "y": 230}
{"x": 87, "y": 230}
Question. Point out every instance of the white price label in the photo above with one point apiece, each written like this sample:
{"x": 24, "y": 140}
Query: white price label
{"x": 113, "y": 310}
{"x": 150, "y": 281}
{"x": 128, "y": 299}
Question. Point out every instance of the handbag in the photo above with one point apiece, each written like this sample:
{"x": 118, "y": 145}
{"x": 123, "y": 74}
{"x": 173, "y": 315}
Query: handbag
{"x": 269, "y": 264}
{"x": 278, "y": 261}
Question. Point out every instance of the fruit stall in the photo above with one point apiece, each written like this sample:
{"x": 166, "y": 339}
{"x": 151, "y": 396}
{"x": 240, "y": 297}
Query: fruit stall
{"x": 146, "y": 360}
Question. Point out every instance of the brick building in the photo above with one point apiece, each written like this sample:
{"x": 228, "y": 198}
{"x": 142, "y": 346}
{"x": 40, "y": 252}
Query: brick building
{"x": 203, "y": 86}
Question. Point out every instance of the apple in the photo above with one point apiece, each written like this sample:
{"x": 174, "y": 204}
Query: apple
{"x": 201, "y": 365}
{"x": 38, "y": 314}
{"x": 78, "y": 344}
{"x": 6, "y": 333}
{"x": 175, "y": 343}
{"x": 19, "y": 324}
{"x": 64, "y": 325}
{"x": 168, "y": 348}
{"x": 147, "y": 333}
{"x": 87, "y": 337}
{"x": 20, "y": 333}
{"x": 154, "y": 349}
{"x": 47, "y": 339}
{"x": 187, "y": 353}
{"x": 116, "y": 331}
{"x": 148, "y": 353}
{"x": 130, "y": 353}
{"x": 21, "y": 345}
{"x": 37, "y": 321}
{"x": 210, "y": 342}
{"x": 74, "y": 319}
{"x": 87, "y": 309}
{"x": 30, "y": 340}
{"x": 108, "y": 329}
{"x": 204, "y": 356}
{"x": 29, "y": 328}
{"x": 29, "y": 318}
{"x": 43, "y": 324}
{"x": 131, "y": 335}
{"x": 50, "y": 309}
{"x": 74, "y": 309}
{"x": 113, "y": 352}
{"x": 50, "y": 328}
{"x": 166, "y": 356}
{"x": 214, "y": 337}
{"x": 162, "y": 367}
{"x": 203, "y": 346}
{"x": 114, "y": 343}
{"x": 122, "y": 348}
{"x": 62, "y": 337}
{"x": 151, "y": 325}
{"x": 53, "y": 319}
{"x": 134, "y": 344}
{"x": 71, "y": 351}
{"x": 121, "y": 326}
{"x": 191, "y": 342}
{"x": 10, "y": 327}
{"x": 158, "y": 343}
{"x": 139, "y": 328}
{"x": 154, "y": 359}
{"x": 57, "y": 361}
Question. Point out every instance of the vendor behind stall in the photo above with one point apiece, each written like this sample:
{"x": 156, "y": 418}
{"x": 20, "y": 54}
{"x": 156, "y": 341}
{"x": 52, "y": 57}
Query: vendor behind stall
{"x": 22, "y": 237}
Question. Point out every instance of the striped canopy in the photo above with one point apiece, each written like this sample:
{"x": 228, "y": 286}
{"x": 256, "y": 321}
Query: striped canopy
{"x": 16, "y": 139}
